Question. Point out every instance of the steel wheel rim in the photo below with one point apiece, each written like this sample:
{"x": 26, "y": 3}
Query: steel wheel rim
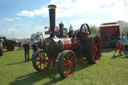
{"x": 42, "y": 62}
{"x": 96, "y": 49}
{"x": 69, "y": 64}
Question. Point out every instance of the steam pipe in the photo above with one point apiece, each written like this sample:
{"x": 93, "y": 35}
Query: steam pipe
{"x": 61, "y": 26}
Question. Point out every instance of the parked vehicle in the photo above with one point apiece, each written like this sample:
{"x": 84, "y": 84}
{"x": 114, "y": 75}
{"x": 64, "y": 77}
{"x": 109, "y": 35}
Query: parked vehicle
{"x": 109, "y": 33}
{"x": 8, "y": 44}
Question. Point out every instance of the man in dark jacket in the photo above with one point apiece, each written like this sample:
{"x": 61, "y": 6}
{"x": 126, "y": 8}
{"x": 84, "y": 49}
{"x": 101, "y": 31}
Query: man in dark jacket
{"x": 34, "y": 47}
{"x": 40, "y": 45}
{"x": 26, "y": 50}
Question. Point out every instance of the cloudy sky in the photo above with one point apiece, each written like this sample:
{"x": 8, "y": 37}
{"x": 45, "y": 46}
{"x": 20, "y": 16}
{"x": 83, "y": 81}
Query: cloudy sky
{"x": 21, "y": 18}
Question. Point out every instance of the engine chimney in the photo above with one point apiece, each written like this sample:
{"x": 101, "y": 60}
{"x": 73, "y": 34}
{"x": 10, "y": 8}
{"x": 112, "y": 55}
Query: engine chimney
{"x": 52, "y": 19}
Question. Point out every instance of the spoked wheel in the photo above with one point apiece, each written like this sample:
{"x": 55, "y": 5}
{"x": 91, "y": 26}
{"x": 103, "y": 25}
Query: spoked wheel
{"x": 40, "y": 61}
{"x": 66, "y": 63}
{"x": 92, "y": 48}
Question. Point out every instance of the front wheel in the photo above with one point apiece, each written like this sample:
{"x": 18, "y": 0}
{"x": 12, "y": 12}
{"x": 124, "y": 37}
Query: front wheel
{"x": 40, "y": 61}
{"x": 66, "y": 63}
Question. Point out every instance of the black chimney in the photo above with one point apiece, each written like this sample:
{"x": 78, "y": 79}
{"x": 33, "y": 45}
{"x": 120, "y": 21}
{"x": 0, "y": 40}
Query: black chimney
{"x": 52, "y": 19}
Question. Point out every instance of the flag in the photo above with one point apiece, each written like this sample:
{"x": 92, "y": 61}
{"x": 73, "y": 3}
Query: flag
{"x": 46, "y": 27}
{"x": 57, "y": 28}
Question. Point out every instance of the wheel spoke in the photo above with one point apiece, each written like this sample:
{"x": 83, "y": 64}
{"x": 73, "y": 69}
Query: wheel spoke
{"x": 38, "y": 64}
{"x": 64, "y": 63}
{"x": 44, "y": 65}
{"x": 67, "y": 57}
{"x": 37, "y": 60}
{"x": 68, "y": 71}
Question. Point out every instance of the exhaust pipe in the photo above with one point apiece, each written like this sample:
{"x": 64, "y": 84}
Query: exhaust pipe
{"x": 52, "y": 19}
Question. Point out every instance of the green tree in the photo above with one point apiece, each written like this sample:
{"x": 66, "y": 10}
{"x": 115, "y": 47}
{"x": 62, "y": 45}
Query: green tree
{"x": 95, "y": 30}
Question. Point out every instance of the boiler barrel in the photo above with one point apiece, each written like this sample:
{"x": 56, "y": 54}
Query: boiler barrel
{"x": 68, "y": 44}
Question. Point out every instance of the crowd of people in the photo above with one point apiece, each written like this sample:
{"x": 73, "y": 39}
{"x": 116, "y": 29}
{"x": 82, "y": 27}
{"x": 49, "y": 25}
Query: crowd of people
{"x": 25, "y": 45}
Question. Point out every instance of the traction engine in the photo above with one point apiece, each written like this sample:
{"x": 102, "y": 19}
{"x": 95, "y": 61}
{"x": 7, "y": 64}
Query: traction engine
{"x": 64, "y": 51}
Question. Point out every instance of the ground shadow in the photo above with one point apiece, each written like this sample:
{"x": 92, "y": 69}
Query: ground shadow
{"x": 126, "y": 56}
{"x": 18, "y": 63}
{"x": 51, "y": 73}
{"x": 82, "y": 63}
{"x": 117, "y": 56}
{"x": 34, "y": 77}
{"x": 53, "y": 80}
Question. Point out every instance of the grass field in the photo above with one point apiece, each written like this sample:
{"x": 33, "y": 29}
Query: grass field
{"x": 109, "y": 71}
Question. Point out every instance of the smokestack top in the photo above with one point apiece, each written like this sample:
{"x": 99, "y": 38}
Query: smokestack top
{"x": 52, "y": 6}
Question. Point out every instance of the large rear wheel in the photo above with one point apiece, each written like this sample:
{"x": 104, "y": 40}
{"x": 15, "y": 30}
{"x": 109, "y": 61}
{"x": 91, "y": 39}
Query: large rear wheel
{"x": 66, "y": 63}
{"x": 92, "y": 48}
{"x": 40, "y": 61}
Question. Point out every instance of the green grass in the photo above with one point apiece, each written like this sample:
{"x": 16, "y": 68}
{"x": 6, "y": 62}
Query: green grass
{"x": 109, "y": 71}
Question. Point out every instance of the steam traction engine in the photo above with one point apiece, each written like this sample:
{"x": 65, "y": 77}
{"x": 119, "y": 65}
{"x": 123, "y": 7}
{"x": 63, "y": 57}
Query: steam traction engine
{"x": 63, "y": 51}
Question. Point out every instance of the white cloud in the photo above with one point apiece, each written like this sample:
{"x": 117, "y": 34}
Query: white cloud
{"x": 101, "y": 11}
{"x": 98, "y": 22}
{"x": 70, "y": 8}
{"x": 11, "y": 19}
{"x": 120, "y": 16}
{"x": 11, "y": 29}
{"x": 8, "y": 19}
{"x": 26, "y": 13}
{"x": 78, "y": 23}
{"x": 38, "y": 28}
{"x": 18, "y": 18}
{"x": 39, "y": 12}
{"x": 54, "y": 1}
{"x": 82, "y": 7}
{"x": 42, "y": 12}
{"x": 95, "y": 11}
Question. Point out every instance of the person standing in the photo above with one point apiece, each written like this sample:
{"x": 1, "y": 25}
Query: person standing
{"x": 19, "y": 45}
{"x": 34, "y": 48}
{"x": 40, "y": 44}
{"x": 1, "y": 48}
{"x": 26, "y": 50}
{"x": 124, "y": 39}
{"x": 119, "y": 46}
